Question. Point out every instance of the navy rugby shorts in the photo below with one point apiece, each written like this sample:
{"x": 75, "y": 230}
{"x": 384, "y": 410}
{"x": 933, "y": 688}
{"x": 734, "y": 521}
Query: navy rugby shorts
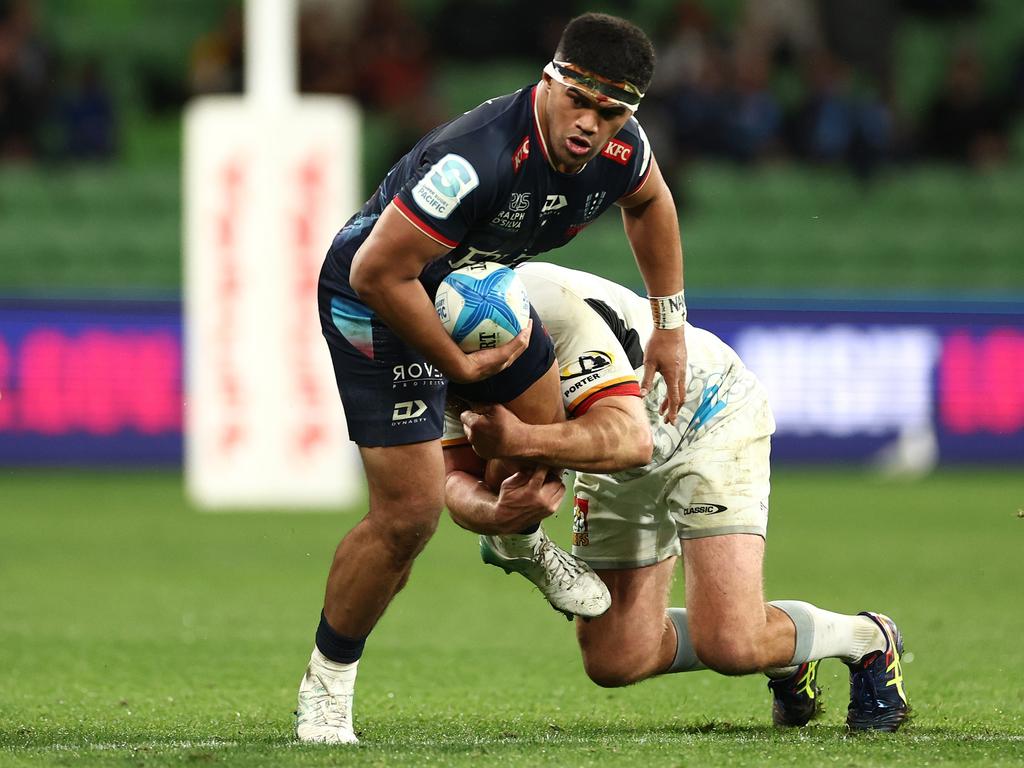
{"x": 391, "y": 394}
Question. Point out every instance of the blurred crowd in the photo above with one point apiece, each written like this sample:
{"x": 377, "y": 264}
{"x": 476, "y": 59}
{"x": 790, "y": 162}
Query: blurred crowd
{"x": 816, "y": 81}
{"x": 49, "y": 108}
{"x": 811, "y": 81}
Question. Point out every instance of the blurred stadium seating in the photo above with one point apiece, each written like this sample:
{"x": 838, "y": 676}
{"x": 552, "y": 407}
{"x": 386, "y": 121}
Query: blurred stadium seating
{"x": 112, "y": 228}
{"x": 777, "y": 228}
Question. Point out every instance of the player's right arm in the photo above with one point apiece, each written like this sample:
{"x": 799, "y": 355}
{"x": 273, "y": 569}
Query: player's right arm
{"x": 385, "y": 274}
{"x": 611, "y": 436}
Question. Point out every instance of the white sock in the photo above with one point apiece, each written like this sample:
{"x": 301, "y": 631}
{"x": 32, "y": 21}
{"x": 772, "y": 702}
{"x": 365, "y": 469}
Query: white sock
{"x": 521, "y": 544}
{"x": 345, "y": 673}
{"x": 822, "y": 634}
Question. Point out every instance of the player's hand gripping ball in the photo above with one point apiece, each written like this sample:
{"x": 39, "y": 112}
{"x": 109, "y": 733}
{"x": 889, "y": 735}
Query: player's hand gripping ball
{"x": 482, "y": 306}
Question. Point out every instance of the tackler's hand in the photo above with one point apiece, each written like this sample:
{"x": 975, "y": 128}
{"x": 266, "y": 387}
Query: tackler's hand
{"x": 527, "y": 497}
{"x": 493, "y": 431}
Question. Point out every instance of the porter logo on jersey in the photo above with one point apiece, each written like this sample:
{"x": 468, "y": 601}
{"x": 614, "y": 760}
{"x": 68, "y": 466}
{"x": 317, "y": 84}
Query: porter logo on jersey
{"x": 590, "y": 361}
{"x": 448, "y": 181}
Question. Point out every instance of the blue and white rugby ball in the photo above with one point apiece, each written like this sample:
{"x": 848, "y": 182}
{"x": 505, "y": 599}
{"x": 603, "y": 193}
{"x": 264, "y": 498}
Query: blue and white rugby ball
{"x": 482, "y": 306}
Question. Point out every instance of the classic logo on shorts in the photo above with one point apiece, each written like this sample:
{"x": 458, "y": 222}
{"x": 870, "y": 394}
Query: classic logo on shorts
{"x": 448, "y": 181}
{"x": 591, "y": 361}
{"x": 580, "y": 526}
{"x": 408, "y": 410}
{"x": 704, "y": 509}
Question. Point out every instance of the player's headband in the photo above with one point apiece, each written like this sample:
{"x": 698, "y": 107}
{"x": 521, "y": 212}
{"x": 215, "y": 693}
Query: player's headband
{"x": 600, "y": 89}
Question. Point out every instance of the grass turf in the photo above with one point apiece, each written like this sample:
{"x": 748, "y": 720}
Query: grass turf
{"x": 135, "y": 630}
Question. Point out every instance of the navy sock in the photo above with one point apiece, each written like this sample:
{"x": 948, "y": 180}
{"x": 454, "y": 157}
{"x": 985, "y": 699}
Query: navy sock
{"x": 336, "y": 647}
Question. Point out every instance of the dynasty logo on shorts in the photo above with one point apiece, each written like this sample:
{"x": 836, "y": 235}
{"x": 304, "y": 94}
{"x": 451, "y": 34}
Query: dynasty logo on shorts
{"x": 580, "y": 526}
{"x": 448, "y": 181}
{"x": 409, "y": 412}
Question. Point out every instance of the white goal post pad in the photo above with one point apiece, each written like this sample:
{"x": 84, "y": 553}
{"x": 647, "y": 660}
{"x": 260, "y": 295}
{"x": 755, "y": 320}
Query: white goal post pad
{"x": 265, "y": 190}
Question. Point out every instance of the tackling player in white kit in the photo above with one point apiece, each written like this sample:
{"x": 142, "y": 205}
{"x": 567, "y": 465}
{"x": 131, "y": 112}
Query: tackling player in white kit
{"x": 647, "y": 492}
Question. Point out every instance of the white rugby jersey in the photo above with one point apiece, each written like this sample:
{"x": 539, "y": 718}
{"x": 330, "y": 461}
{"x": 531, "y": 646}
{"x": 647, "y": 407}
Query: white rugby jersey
{"x": 599, "y": 330}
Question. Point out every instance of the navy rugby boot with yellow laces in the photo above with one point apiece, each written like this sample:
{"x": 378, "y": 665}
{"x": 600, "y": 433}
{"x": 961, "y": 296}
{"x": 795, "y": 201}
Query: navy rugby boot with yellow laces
{"x": 796, "y": 699}
{"x": 878, "y": 701}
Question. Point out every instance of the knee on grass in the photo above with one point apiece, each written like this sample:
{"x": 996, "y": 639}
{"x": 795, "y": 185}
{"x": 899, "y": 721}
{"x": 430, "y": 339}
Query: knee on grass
{"x": 616, "y": 667}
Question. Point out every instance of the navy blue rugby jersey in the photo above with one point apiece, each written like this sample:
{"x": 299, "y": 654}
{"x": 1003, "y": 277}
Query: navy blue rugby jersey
{"x": 482, "y": 184}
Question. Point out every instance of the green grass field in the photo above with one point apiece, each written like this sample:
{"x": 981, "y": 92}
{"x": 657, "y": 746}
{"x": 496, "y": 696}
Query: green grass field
{"x": 135, "y": 630}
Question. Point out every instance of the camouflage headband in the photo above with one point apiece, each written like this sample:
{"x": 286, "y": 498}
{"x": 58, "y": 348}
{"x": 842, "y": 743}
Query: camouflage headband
{"x": 601, "y": 89}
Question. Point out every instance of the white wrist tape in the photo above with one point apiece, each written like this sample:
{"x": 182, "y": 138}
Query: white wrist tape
{"x": 668, "y": 311}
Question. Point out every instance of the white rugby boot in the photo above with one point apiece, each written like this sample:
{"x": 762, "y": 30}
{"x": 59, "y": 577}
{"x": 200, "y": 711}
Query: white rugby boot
{"x": 324, "y": 713}
{"x": 568, "y": 583}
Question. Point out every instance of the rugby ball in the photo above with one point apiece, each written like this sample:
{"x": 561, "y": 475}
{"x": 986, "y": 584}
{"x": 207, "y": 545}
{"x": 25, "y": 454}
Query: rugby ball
{"x": 482, "y": 306}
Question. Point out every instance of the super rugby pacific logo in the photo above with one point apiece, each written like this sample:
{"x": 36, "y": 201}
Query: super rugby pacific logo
{"x": 442, "y": 187}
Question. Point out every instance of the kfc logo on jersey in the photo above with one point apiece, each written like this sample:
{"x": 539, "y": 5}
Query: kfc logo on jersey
{"x": 616, "y": 150}
{"x": 519, "y": 156}
{"x": 448, "y": 181}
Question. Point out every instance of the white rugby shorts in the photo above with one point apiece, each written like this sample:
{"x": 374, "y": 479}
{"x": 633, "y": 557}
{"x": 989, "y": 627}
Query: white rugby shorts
{"x": 714, "y": 485}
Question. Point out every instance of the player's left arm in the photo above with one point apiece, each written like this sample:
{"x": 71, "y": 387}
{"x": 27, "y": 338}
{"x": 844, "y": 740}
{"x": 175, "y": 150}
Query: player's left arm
{"x": 652, "y": 226}
{"x": 523, "y": 499}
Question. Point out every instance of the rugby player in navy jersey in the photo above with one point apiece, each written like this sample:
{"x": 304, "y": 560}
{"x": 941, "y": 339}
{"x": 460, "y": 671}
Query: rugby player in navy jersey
{"x": 518, "y": 175}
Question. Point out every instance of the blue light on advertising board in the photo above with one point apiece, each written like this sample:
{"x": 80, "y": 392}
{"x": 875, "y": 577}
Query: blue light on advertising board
{"x": 102, "y": 382}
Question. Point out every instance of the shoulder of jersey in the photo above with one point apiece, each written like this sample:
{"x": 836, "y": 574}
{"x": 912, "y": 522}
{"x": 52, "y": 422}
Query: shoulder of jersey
{"x": 491, "y": 120}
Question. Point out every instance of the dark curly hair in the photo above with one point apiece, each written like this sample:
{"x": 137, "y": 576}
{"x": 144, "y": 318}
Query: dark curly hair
{"x": 609, "y": 46}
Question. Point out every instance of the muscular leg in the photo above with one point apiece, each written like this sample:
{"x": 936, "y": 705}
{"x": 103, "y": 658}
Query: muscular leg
{"x": 735, "y": 632}
{"x": 732, "y": 629}
{"x": 634, "y": 639}
{"x": 373, "y": 561}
